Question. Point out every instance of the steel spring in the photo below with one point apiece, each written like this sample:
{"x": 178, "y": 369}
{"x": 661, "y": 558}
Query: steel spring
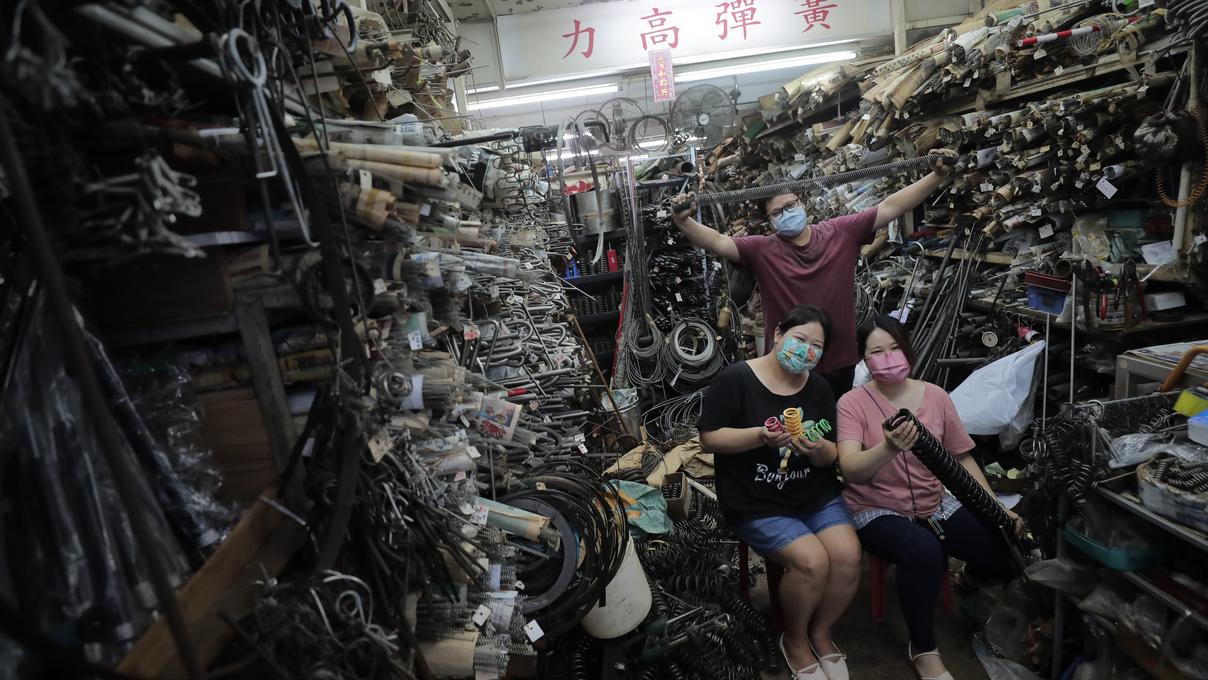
{"x": 581, "y": 665}
{"x": 673, "y": 671}
{"x": 955, "y": 478}
{"x": 1180, "y": 474}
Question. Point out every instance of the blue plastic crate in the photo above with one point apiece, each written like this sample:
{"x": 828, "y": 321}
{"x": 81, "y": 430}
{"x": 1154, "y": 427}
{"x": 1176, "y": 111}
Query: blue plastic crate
{"x": 1046, "y": 299}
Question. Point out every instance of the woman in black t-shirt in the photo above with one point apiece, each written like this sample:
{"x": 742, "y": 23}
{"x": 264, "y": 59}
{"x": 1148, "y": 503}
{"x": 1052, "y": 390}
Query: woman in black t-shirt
{"x": 794, "y": 514}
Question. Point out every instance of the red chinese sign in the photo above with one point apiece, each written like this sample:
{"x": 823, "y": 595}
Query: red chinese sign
{"x": 660, "y": 33}
{"x": 662, "y": 75}
{"x": 815, "y": 13}
{"x": 577, "y": 31}
{"x": 739, "y": 14}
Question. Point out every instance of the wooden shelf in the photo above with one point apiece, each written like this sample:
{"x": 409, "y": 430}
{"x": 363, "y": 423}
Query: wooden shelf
{"x": 259, "y": 546}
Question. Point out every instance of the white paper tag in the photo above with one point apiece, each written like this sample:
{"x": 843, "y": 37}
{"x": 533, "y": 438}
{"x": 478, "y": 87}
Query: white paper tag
{"x": 533, "y": 631}
{"x": 583, "y": 448}
{"x": 480, "y": 515}
{"x": 481, "y": 615}
{"x": 1146, "y": 3}
{"x": 799, "y": 157}
{"x": 986, "y": 186}
{"x": 366, "y": 179}
{"x": 460, "y": 477}
{"x": 470, "y": 332}
{"x": 1106, "y": 187}
{"x": 473, "y": 452}
{"x": 1059, "y": 70}
{"x": 1035, "y": 212}
{"x": 1040, "y": 53}
{"x": 425, "y": 209}
{"x": 679, "y": 298}
{"x": 1046, "y": 230}
{"x": 1200, "y": 239}
{"x": 379, "y": 286}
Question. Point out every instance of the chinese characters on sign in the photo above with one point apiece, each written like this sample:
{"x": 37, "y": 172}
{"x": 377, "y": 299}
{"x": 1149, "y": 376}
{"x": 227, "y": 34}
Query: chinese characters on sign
{"x": 601, "y": 36}
{"x": 657, "y": 35}
{"x": 740, "y": 13}
{"x": 575, "y": 33}
{"x": 815, "y": 13}
{"x": 662, "y": 75}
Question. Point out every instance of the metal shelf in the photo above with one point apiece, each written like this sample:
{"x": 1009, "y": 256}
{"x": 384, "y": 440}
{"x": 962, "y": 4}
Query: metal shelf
{"x": 1189, "y": 535}
{"x": 592, "y": 279}
{"x": 1165, "y": 597}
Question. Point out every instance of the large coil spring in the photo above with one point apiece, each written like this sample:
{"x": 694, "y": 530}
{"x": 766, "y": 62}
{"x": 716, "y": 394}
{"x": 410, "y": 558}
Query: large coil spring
{"x": 955, "y": 478}
{"x": 1180, "y": 474}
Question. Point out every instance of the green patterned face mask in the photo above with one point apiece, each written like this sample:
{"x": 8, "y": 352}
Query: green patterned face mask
{"x": 797, "y": 357}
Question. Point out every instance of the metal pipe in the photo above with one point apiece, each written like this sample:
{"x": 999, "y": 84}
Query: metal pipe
{"x": 79, "y": 365}
{"x": 1180, "y": 213}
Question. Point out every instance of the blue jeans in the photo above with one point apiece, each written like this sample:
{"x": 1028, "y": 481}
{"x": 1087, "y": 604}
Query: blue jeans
{"x": 770, "y": 535}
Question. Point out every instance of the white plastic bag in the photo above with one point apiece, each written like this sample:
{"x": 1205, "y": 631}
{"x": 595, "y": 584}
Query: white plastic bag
{"x": 992, "y": 396}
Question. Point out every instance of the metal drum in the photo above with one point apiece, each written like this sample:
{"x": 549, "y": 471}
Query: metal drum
{"x": 597, "y": 211}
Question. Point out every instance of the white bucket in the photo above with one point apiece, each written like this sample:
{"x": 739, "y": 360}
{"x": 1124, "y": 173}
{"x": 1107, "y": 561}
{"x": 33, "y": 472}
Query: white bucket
{"x": 627, "y": 601}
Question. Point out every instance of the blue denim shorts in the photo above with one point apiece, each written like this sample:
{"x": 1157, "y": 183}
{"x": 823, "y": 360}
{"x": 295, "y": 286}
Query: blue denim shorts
{"x": 769, "y": 535}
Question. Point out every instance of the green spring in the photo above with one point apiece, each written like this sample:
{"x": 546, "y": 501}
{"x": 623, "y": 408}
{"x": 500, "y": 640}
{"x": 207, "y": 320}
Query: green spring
{"x": 815, "y": 431}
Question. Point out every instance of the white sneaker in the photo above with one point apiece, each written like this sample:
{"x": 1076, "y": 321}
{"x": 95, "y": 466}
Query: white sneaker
{"x": 914, "y": 657}
{"x": 833, "y": 665}
{"x": 811, "y": 672}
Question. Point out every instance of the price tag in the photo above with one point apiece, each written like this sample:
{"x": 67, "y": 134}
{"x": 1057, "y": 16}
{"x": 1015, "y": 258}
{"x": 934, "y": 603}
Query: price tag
{"x": 1146, "y": 3}
{"x": 1059, "y": 70}
{"x": 1046, "y": 230}
{"x": 379, "y": 286}
{"x": 799, "y": 157}
{"x": 1106, "y": 187}
{"x": 470, "y": 332}
{"x": 986, "y": 186}
{"x": 473, "y": 452}
{"x": 1035, "y": 212}
{"x": 1040, "y": 53}
{"x": 416, "y": 340}
{"x": 679, "y": 298}
{"x": 425, "y": 209}
{"x": 460, "y": 477}
{"x": 480, "y": 515}
{"x": 662, "y": 214}
{"x": 494, "y": 291}
{"x": 1200, "y": 239}
{"x": 520, "y": 585}
{"x": 583, "y": 449}
{"x": 533, "y": 631}
{"x": 481, "y": 615}
{"x": 464, "y": 422}
{"x": 366, "y": 179}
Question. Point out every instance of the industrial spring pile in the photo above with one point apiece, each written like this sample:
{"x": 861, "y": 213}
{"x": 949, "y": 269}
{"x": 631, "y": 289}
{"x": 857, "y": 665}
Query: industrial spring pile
{"x": 699, "y": 626}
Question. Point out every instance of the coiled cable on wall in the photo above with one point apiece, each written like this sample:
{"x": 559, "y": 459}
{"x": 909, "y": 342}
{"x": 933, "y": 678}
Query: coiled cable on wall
{"x": 691, "y": 352}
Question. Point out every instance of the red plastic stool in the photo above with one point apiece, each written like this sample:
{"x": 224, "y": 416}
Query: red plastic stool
{"x": 876, "y": 584}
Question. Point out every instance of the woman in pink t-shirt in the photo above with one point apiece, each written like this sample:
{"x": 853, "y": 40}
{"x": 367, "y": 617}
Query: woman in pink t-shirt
{"x": 902, "y": 513}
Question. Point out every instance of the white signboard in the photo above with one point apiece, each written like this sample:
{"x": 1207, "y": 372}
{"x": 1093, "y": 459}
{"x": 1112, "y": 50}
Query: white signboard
{"x": 605, "y": 36}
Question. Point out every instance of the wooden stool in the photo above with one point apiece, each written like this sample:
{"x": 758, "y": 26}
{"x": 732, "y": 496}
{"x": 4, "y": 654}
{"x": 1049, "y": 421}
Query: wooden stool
{"x": 876, "y": 585}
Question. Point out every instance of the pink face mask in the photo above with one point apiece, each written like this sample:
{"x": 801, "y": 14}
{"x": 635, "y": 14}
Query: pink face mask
{"x": 890, "y": 367}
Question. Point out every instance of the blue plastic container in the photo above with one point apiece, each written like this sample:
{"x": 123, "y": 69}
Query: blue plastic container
{"x": 1046, "y": 299}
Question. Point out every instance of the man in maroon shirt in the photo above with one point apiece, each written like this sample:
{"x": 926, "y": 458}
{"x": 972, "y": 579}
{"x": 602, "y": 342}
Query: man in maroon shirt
{"x": 812, "y": 263}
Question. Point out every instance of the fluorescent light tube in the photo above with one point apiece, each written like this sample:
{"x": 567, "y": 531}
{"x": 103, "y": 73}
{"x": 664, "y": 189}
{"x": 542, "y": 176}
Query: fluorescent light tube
{"x": 536, "y": 97}
{"x": 484, "y": 88}
{"x": 769, "y": 65}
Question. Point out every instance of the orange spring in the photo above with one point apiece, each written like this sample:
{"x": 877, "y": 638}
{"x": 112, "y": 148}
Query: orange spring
{"x": 792, "y": 422}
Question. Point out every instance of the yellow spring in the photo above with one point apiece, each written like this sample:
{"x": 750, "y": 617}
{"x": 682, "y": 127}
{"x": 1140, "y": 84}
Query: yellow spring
{"x": 792, "y": 422}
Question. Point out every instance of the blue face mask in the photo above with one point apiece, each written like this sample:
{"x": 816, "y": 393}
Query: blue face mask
{"x": 790, "y": 224}
{"x": 797, "y": 357}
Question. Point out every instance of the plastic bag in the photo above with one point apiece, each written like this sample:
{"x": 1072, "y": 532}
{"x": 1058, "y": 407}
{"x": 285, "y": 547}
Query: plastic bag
{"x": 1134, "y": 449}
{"x": 645, "y": 507}
{"x": 1063, "y": 574}
{"x": 84, "y": 578}
{"x": 989, "y": 399}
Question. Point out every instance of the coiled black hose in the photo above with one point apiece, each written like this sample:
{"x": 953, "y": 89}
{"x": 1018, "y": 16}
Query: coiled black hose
{"x": 955, "y": 478}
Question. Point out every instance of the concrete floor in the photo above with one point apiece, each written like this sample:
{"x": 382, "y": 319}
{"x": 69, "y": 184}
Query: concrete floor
{"x": 878, "y": 650}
